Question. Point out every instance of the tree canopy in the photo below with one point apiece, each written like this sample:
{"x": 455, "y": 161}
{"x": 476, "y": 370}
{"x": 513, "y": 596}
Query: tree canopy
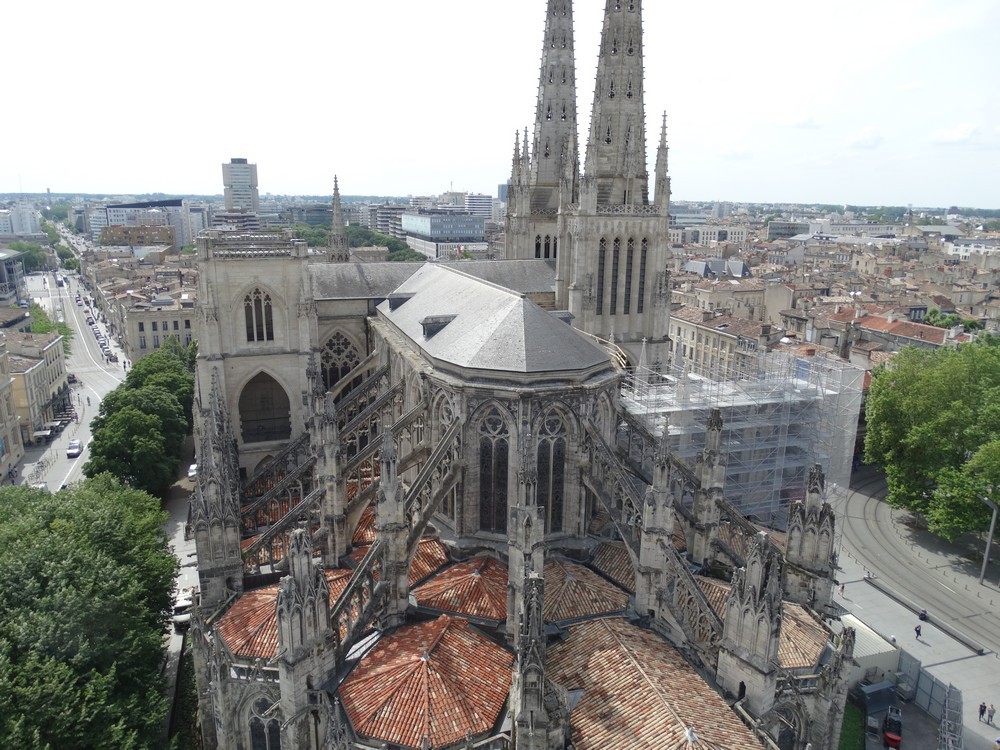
{"x": 42, "y": 323}
{"x": 86, "y": 580}
{"x": 934, "y": 426}
{"x": 139, "y": 432}
{"x": 33, "y": 256}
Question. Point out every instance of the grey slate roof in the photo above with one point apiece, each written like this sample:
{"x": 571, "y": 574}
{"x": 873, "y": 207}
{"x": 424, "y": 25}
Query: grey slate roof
{"x": 490, "y": 328}
{"x": 376, "y": 280}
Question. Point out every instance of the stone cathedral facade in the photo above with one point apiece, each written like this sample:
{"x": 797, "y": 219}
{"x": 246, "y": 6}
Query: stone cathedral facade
{"x": 423, "y": 519}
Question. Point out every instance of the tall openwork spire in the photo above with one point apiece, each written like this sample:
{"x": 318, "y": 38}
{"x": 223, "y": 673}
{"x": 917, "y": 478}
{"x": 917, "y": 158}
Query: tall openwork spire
{"x": 340, "y": 247}
{"x": 555, "y": 146}
{"x": 616, "y": 146}
{"x": 662, "y": 188}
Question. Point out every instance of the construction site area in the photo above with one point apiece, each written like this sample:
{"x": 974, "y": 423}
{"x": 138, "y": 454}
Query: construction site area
{"x": 787, "y": 414}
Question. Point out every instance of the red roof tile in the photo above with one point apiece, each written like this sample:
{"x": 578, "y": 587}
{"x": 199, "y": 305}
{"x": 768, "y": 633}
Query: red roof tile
{"x": 365, "y": 532}
{"x": 572, "y": 591}
{"x": 429, "y": 557}
{"x": 802, "y": 638}
{"x": 436, "y": 680}
{"x": 475, "y": 588}
{"x": 638, "y": 692}
{"x": 250, "y": 627}
{"x": 612, "y": 560}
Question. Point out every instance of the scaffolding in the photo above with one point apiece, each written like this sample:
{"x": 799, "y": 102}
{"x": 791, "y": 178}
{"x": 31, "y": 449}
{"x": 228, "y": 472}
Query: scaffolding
{"x": 790, "y": 413}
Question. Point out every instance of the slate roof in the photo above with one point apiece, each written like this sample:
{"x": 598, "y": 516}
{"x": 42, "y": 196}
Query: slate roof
{"x": 639, "y": 693}
{"x": 475, "y": 588}
{"x": 375, "y": 280}
{"x": 250, "y": 627}
{"x": 435, "y": 680}
{"x": 490, "y": 327}
{"x": 573, "y": 591}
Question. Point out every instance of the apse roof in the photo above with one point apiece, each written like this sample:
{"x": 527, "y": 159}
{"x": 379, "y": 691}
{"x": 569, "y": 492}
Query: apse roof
{"x": 470, "y": 323}
{"x": 436, "y": 680}
{"x": 573, "y": 591}
{"x": 475, "y": 588}
{"x": 635, "y": 685}
{"x": 250, "y": 627}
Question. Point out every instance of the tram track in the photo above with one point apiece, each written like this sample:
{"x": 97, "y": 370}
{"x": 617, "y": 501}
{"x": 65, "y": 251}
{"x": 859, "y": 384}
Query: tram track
{"x": 937, "y": 580}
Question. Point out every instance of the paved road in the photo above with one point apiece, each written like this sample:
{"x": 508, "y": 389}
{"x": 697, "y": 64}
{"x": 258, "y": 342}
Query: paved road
{"x": 922, "y": 571}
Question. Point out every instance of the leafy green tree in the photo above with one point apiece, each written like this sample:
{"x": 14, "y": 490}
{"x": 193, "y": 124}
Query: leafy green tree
{"x": 131, "y": 445}
{"x": 33, "y": 257}
{"x": 42, "y": 323}
{"x": 934, "y": 426}
{"x": 153, "y": 400}
{"x": 170, "y": 367}
{"x": 86, "y": 579}
{"x": 71, "y": 264}
{"x": 314, "y": 236}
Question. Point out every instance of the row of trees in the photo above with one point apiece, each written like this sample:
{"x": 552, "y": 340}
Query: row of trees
{"x": 934, "y": 426}
{"x": 42, "y": 323}
{"x": 86, "y": 581}
{"x": 139, "y": 432}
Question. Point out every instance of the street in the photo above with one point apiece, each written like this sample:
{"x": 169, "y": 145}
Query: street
{"x": 95, "y": 378}
{"x": 915, "y": 570}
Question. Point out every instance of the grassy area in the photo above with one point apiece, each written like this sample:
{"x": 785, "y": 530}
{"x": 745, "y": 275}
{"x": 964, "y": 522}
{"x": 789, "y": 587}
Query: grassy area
{"x": 852, "y": 732}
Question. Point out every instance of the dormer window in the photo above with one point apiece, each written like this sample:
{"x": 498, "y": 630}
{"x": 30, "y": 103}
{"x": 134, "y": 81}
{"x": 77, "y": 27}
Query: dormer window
{"x": 434, "y": 324}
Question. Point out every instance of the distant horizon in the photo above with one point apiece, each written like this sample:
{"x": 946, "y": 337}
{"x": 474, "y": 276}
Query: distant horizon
{"x": 350, "y": 198}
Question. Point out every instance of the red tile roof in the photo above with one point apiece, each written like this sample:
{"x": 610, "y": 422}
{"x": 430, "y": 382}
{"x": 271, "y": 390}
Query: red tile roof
{"x": 612, "y": 560}
{"x": 476, "y": 588}
{"x": 250, "y": 627}
{"x": 435, "y": 680}
{"x": 639, "y": 693}
{"x": 429, "y": 557}
{"x": 365, "y": 532}
{"x": 802, "y": 638}
{"x": 572, "y": 591}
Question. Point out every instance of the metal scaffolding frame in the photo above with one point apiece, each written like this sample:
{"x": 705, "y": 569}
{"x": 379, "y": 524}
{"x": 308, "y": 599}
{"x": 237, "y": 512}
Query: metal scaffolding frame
{"x": 790, "y": 413}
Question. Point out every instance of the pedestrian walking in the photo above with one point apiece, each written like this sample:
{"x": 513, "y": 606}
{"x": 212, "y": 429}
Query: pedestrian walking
{"x": 990, "y": 713}
{"x": 917, "y": 631}
{"x": 841, "y": 589}
{"x": 982, "y": 710}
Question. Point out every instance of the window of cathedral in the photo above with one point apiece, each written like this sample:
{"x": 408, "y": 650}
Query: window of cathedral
{"x": 264, "y": 410}
{"x": 337, "y": 358}
{"x": 615, "y": 257}
{"x": 494, "y": 445}
{"x": 602, "y": 254}
{"x": 265, "y": 729}
{"x": 640, "y": 300}
{"x": 552, "y": 470}
{"x": 629, "y": 252}
{"x": 259, "y": 316}
{"x": 538, "y": 246}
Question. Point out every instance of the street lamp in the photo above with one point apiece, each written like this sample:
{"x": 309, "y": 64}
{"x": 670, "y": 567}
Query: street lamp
{"x": 989, "y": 539}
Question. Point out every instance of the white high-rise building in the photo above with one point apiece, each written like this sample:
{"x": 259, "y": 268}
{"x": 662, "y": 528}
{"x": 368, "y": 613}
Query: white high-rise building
{"x": 240, "y": 180}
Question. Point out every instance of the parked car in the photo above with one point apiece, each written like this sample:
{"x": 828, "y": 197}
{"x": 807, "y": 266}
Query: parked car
{"x": 74, "y": 449}
{"x": 192, "y": 471}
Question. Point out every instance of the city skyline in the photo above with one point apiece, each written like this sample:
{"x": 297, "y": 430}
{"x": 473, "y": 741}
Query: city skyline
{"x": 773, "y": 102}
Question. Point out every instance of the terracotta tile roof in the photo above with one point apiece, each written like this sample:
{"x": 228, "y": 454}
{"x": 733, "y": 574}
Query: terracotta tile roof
{"x": 716, "y": 591}
{"x": 638, "y": 692}
{"x": 612, "y": 560}
{"x": 250, "y": 627}
{"x": 802, "y": 638}
{"x": 476, "y": 588}
{"x": 572, "y": 591}
{"x": 436, "y": 680}
{"x": 429, "y": 557}
{"x": 365, "y": 532}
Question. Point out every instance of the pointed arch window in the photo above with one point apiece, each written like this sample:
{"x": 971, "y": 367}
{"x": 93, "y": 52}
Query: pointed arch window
{"x": 615, "y": 256}
{"x": 628, "y": 91}
{"x": 538, "y": 246}
{"x": 552, "y": 470}
{"x": 555, "y": 246}
{"x": 640, "y": 301}
{"x": 611, "y": 90}
{"x": 548, "y": 112}
{"x": 494, "y": 444}
{"x": 614, "y": 46}
{"x": 265, "y": 729}
{"x": 630, "y": 49}
{"x": 337, "y": 358}
{"x": 629, "y": 252}
{"x": 548, "y": 245}
{"x": 257, "y": 310}
{"x": 563, "y": 115}
{"x": 607, "y": 136}
{"x": 602, "y": 257}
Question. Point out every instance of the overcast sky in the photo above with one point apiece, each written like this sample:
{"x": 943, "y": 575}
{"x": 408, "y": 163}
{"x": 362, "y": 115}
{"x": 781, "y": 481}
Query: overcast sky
{"x": 862, "y": 101}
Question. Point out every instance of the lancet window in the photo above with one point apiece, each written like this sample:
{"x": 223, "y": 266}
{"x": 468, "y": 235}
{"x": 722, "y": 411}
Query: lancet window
{"x": 494, "y": 446}
{"x": 259, "y": 316}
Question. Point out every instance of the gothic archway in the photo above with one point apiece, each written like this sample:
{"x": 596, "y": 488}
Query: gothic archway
{"x": 264, "y": 410}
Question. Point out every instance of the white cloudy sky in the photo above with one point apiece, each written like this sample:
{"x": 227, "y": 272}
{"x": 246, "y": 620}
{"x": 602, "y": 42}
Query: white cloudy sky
{"x": 861, "y": 101}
